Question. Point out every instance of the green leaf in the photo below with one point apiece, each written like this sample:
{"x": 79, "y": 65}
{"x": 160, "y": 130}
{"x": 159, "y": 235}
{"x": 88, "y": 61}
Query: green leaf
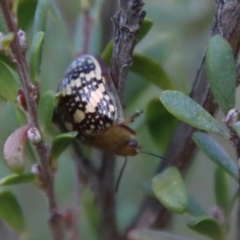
{"x": 221, "y": 72}
{"x": 15, "y": 116}
{"x": 60, "y": 143}
{"x": 18, "y": 179}
{"x": 45, "y": 109}
{"x": 25, "y": 18}
{"x": 8, "y": 85}
{"x": 170, "y": 190}
{"x": 61, "y": 25}
{"x": 10, "y": 211}
{"x": 157, "y": 117}
{"x": 40, "y": 18}
{"x": 145, "y": 28}
{"x": 187, "y": 110}
{"x": 207, "y": 226}
{"x": 6, "y": 43}
{"x": 151, "y": 71}
{"x": 107, "y": 53}
{"x": 221, "y": 189}
{"x": 215, "y": 152}
{"x": 194, "y": 208}
{"x": 36, "y": 55}
{"x": 6, "y": 60}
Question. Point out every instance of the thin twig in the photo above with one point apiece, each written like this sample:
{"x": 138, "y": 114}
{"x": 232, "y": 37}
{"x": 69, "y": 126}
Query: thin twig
{"x": 30, "y": 94}
{"x": 75, "y": 209}
{"x": 107, "y": 201}
{"x": 182, "y": 149}
{"x": 87, "y": 30}
{"x": 127, "y": 23}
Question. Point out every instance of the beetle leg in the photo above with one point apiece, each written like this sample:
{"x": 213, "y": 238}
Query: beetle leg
{"x": 131, "y": 118}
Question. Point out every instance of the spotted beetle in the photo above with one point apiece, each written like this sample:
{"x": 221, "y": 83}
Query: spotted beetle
{"x": 88, "y": 103}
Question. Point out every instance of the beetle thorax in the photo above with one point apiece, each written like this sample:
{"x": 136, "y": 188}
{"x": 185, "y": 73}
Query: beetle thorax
{"x": 119, "y": 139}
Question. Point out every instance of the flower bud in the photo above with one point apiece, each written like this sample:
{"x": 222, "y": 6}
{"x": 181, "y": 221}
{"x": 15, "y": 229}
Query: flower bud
{"x": 22, "y": 41}
{"x": 34, "y": 135}
{"x": 232, "y": 117}
{"x": 218, "y": 213}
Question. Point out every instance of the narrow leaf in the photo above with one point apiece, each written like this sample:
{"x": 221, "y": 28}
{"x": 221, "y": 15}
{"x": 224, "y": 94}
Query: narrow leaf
{"x": 11, "y": 212}
{"x": 8, "y": 85}
{"x": 215, "y": 152}
{"x": 107, "y": 53}
{"x": 40, "y": 18}
{"x": 6, "y": 42}
{"x": 207, "y": 226}
{"x": 25, "y": 18}
{"x": 187, "y": 110}
{"x": 15, "y": 116}
{"x": 221, "y": 189}
{"x": 157, "y": 117}
{"x": 13, "y": 150}
{"x": 221, "y": 72}
{"x": 147, "y": 234}
{"x": 145, "y": 28}
{"x": 170, "y": 190}
{"x": 60, "y": 143}
{"x": 36, "y": 55}
{"x": 11, "y": 66}
{"x": 18, "y": 179}
{"x": 45, "y": 109}
{"x": 61, "y": 25}
{"x": 194, "y": 208}
{"x": 152, "y": 71}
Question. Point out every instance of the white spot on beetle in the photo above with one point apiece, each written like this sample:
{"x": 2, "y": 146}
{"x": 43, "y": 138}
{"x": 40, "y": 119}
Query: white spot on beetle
{"x": 79, "y": 115}
{"x": 77, "y": 82}
{"x": 69, "y": 89}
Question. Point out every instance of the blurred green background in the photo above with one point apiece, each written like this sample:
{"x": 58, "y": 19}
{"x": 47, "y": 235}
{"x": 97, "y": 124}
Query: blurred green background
{"x": 177, "y": 41}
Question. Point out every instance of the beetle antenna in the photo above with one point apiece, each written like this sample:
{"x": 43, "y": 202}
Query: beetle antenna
{"x": 120, "y": 175}
{"x": 163, "y": 158}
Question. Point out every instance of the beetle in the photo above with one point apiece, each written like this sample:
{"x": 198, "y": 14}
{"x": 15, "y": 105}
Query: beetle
{"x": 89, "y": 104}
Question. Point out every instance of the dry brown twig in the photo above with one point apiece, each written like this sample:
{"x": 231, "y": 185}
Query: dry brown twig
{"x": 30, "y": 94}
{"x": 127, "y": 22}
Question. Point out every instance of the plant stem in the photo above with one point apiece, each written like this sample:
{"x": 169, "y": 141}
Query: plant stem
{"x": 127, "y": 23}
{"x": 87, "y": 30}
{"x": 107, "y": 198}
{"x": 31, "y": 94}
